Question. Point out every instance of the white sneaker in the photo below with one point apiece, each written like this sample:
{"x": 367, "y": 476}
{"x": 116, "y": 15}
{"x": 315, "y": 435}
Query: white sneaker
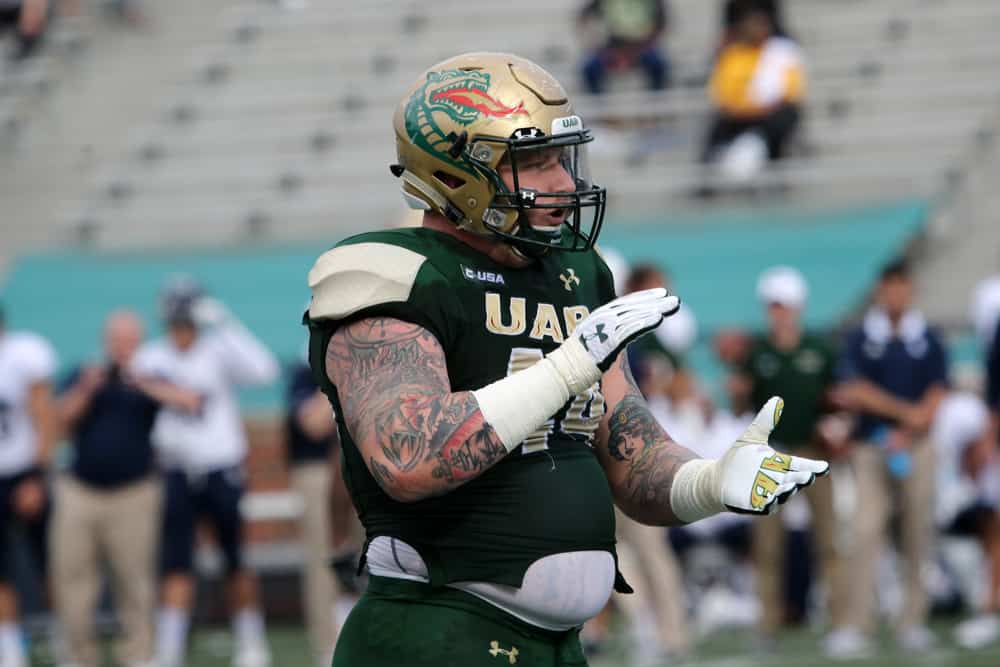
{"x": 846, "y": 643}
{"x": 977, "y": 632}
{"x": 916, "y": 638}
{"x": 252, "y": 655}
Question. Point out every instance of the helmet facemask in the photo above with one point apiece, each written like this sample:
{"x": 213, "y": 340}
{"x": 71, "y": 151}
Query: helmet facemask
{"x": 525, "y": 150}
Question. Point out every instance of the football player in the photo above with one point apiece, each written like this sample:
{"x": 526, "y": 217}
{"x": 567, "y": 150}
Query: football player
{"x": 27, "y": 436}
{"x": 487, "y": 416}
{"x": 206, "y": 350}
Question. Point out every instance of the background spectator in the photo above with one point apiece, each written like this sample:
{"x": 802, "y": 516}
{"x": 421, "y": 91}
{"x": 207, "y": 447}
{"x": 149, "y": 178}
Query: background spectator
{"x": 787, "y": 361}
{"x": 106, "y": 503}
{"x": 27, "y": 19}
{"x": 969, "y": 500}
{"x": 207, "y": 351}
{"x": 757, "y": 87}
{"x": 657, "y": 360}
{"x": 894, "y": 375}
{"x": 731, "y": 17}
{"x": 312, "y": 442}
{"x": 632, "y": 30}
{"x": 27, "y": 435}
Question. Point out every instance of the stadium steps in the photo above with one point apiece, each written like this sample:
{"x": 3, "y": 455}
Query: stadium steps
{"x": 280, "y": 119}
{"x": 82, "y": 123}
{"x": 963, "y": 242}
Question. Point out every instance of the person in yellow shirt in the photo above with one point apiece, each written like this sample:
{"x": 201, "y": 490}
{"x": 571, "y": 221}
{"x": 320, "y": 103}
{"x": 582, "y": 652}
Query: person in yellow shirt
{"x": 757, "y": 85}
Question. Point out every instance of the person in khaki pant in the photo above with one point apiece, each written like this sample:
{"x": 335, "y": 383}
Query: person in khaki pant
{"x": 787, "y": 361}
{"x": 895, "y": 375}
{"x": 647, "y": 561}
{"x": 108, "y": 504}
{"x": 312, "y": 445}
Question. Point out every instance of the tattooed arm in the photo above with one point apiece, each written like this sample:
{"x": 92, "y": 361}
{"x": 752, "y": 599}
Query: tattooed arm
{"x": 418, "y": 438}
{"x": 638, "y": 456}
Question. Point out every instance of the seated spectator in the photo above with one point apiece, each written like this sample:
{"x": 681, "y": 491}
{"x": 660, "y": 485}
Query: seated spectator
{"x": 969, "y": 499}
{"x": 27, "y": 18}
{"x": 731, "y": 16}
{"x": 632, "y": 31}
{"x": 756, "y": 87}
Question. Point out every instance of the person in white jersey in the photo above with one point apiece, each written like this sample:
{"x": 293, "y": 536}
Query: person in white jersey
{"x": 208, "y": 350}
{"x": 968, "y": 502}
{"x": 27, "y": 433}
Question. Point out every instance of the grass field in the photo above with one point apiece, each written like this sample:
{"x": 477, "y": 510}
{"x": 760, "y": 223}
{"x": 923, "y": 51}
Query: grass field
{"x": 211, "y": 648}
{"x": 801, "y": 648}
{"x": 723, "y": 649}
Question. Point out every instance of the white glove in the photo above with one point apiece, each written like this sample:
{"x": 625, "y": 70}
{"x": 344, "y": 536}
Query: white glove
{"x": 607, "y": 330}
{"x": 750, "y": 478}
{"x": 208, "y": 312}
{"x": 600, "y": 336}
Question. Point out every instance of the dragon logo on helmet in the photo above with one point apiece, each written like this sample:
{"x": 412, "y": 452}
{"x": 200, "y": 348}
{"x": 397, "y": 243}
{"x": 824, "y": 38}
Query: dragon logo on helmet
{"x": 460, "y": 94}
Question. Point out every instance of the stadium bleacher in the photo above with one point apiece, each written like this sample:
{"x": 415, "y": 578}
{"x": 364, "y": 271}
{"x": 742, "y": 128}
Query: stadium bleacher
{"x": 277, "y": 128}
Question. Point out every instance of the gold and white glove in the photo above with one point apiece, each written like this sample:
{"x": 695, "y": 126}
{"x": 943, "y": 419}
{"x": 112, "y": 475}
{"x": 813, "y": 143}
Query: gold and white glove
{"x": 750, "y": 478}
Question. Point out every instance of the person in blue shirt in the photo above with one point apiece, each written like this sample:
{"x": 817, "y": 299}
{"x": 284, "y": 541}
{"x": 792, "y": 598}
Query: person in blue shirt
{"x": 108, "y": 502}
{"x": 893, "y": 375}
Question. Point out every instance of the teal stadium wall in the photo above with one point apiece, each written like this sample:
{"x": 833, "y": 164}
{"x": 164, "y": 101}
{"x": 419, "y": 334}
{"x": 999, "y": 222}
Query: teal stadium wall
{"x": 715, "y": 262}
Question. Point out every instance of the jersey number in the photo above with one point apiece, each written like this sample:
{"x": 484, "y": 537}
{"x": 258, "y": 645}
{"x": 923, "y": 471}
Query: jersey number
{"x": 581, "y": 418}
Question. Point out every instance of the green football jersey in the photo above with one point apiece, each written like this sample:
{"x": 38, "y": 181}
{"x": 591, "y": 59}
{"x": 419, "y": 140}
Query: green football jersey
{"x": 550, "y": 495}
{"x": 801, "y": 375}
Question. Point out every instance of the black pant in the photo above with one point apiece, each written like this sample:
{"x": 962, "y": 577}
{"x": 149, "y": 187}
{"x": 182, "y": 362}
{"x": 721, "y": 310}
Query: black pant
{"x": 775, "y": 129}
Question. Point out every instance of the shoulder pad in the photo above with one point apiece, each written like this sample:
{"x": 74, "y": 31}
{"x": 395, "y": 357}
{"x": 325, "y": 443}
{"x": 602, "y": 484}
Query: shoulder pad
{"x": 353, "y": 277}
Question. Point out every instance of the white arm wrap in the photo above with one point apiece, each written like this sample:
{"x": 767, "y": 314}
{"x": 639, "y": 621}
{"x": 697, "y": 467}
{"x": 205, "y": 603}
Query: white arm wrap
{"x": 520, "y": 403}
{"x": 696, "y": 491}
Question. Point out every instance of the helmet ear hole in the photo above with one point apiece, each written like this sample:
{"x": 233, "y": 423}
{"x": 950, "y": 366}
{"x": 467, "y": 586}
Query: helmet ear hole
{"x": 450, "y": 181}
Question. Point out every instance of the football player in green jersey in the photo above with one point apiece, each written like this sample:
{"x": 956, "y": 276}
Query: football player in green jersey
{"x": 487, "y": 415}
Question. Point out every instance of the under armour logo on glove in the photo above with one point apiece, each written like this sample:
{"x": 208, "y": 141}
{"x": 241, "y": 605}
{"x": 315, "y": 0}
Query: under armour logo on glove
{"x": 614, "y": 325}
{"x": 598, "y": 334}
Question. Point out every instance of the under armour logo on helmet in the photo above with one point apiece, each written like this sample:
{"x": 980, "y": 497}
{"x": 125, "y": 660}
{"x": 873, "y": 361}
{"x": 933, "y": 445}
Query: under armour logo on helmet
{"x": 569, "y": 279}
{"x": 598, "y": 334}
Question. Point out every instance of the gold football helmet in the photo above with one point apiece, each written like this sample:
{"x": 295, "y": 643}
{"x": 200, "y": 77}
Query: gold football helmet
{"x": 466, "y": 116}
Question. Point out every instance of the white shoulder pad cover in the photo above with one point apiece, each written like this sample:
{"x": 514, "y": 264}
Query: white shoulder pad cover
{"x": 353, "y": 277}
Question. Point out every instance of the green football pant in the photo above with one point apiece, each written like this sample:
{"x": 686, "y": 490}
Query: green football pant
{"x": 400, "y": 623}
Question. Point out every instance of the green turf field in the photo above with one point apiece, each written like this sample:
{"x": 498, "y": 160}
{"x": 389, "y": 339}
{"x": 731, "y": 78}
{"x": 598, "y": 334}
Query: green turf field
{"x": 210, "y": 648}
{"x": 801, "y": 648}
{"x": 723, "y": 649}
